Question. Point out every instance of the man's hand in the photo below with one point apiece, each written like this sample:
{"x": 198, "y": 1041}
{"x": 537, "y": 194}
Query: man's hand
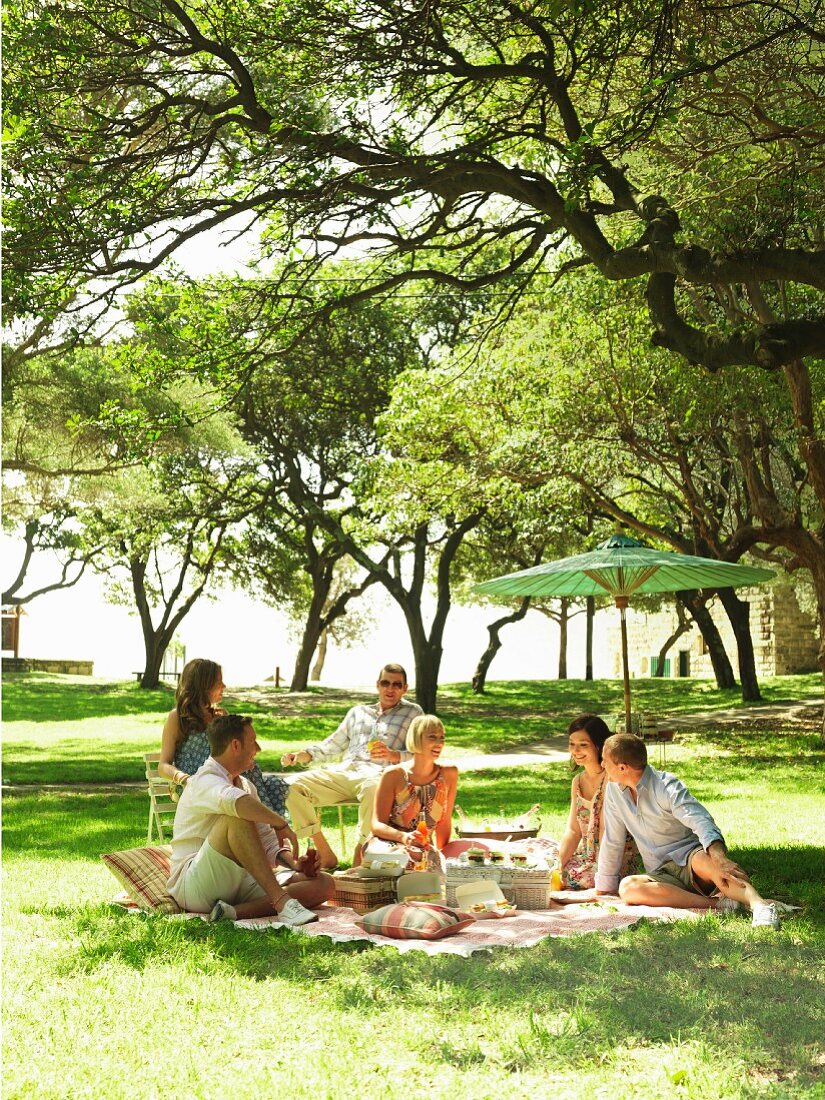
{"x": 724, "y": 867}
{"x": 287, "y": 837}
{"x": 309, "y": 864}
{"x": 381, "y": 754}
{"x": 302, "y": 756}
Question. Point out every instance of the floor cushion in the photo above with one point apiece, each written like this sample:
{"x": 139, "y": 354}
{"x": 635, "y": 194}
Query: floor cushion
{"x": 143, "y": 873}
{"x": 414, "y": 921}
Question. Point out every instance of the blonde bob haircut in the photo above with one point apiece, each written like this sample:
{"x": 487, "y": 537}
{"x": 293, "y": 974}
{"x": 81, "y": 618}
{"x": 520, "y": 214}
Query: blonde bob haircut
{"x": 419, "y": 728}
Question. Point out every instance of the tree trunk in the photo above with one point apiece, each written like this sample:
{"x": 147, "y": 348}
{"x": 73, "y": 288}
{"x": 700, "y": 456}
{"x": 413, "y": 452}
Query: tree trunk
{"x": 590, "y": 606}
{"x": 427, "y": 649}
{"x": 564, "y": 606}
{"x": 318, "y": 667}
{"x": 494, "y": 645}
{"x": 313, "y": 628}
{"x": 696, "y": 608}
{"x": 818, "y": 575}
{"x": 682, "y": 627}
{"x": 427, "y": 667}
{"x": 154, "y": 659}
{"x": 156, "y": 640}
{"x": 738, "y": 611}
{"x": 322, "y": 614}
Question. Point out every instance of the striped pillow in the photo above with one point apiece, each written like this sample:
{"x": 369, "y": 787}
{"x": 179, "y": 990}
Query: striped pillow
{"x": 413, "y": 921}
{"x": 143, "y": 873}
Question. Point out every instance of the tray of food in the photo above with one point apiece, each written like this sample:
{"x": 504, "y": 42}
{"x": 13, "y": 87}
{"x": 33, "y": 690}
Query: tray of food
{"x": 483, "y": 899}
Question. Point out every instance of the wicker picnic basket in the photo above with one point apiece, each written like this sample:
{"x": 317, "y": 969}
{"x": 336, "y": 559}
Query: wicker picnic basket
{"x": 363, "y": 894}
{"x": 527, "y": 888}
{"x": 457, "y": 876}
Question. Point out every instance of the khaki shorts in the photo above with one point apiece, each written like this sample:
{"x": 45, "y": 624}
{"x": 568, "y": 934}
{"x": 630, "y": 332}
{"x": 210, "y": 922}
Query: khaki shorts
{"x": 671, "y": 874}
{"x": 211, "y": 877}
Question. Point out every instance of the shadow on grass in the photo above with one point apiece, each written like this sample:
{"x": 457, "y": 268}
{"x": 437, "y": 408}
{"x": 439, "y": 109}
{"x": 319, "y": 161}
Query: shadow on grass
{"x": 77, "y": 825}
{"x": 708, "y": 980}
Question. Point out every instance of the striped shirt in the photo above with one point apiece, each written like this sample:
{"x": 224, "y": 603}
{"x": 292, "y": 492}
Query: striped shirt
{"x": 362, "y": 724}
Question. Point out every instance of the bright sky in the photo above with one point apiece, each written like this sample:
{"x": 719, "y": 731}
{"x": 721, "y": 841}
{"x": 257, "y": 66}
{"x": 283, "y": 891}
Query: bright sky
{"x": 250, "y": 639}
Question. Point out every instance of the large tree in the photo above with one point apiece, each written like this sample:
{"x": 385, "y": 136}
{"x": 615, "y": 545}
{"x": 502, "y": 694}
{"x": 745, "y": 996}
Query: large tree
{"x": 167, "y": 528}
{"x": 605, "y": 426}
{"x": 628, "y": 139}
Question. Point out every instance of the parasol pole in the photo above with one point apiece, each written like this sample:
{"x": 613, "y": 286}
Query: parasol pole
{"x": 621, "y": 603}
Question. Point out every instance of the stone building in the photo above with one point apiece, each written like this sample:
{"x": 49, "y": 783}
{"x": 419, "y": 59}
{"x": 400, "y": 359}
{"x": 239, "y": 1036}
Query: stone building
{"x": 785, "y": 639}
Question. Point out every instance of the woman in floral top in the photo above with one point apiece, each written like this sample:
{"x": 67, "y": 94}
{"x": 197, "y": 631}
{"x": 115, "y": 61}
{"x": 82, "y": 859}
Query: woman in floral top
{"x": 579, "y": 847}
{"x": 414, "y": 801}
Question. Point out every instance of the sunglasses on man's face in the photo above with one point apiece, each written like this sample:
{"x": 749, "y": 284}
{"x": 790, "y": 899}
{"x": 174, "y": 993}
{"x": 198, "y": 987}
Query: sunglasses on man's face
{"x": 391, "y": 683}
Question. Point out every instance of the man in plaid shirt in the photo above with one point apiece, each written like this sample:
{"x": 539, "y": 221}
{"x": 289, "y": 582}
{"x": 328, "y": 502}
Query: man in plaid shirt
{"x": 370, "y": 737}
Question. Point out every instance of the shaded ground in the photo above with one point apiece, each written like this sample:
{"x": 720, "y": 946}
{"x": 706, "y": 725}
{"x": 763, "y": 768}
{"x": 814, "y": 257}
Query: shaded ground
{"x": 802, "y": 715}
{"x": 805, "y": 714}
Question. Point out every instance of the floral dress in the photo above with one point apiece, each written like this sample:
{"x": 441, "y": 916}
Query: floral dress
{"x": 426, "y": 802}
{"x": 580, "y": 870}
{"x": 194, "y": 750}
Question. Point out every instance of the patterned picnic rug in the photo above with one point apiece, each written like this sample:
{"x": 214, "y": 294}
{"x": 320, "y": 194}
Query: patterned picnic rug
{"x": 524, "y": 929}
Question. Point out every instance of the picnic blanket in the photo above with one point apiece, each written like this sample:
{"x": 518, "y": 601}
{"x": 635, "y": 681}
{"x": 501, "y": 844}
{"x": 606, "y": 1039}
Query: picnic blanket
{"x": 524, "y": 929}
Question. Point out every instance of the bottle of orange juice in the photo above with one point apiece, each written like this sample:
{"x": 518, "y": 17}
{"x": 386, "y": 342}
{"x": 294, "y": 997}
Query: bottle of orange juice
{"x": 555, "y": 877}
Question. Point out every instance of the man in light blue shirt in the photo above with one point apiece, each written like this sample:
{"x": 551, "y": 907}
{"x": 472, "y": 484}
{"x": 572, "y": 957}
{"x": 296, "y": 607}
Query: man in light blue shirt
{"x": 682, "y": 848}
{"x": 370, "y": 737}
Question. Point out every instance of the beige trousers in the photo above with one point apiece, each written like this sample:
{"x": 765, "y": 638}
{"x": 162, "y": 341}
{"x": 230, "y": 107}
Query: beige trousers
{"x": 329, "y": 785}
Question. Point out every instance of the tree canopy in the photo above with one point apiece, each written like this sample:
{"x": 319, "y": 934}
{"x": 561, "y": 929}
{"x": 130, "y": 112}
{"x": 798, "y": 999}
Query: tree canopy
{"x": 677, "y": 143}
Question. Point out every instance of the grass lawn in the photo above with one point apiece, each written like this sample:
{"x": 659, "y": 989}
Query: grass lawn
{"x": 98, "y": 1003}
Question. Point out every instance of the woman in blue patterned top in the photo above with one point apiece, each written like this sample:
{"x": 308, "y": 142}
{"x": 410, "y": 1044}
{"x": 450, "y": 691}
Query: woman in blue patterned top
{"x": 184, "y": 745}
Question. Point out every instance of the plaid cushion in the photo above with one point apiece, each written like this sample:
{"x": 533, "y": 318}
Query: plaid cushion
{"x": 143, "y": 873}
{"x": 413, "y": 921}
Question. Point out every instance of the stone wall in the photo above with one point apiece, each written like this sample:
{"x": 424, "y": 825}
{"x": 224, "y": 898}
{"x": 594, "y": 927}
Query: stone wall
{"x": 785, "y": 639}
{"x": 39, "y": 664}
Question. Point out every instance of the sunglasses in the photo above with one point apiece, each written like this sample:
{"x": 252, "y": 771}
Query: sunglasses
{"x": 391, "y": 683}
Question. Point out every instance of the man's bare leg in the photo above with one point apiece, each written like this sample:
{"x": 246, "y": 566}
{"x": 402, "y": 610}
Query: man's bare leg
{"x": 328, "y": 858}
{"x": 240, "y": 841}
{"x": 641, "y": 890}
{"x": 740, "y": 890}
{"x": 311, "y": 892}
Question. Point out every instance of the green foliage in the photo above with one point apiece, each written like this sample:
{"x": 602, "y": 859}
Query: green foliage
{"x": 513, "y": 138}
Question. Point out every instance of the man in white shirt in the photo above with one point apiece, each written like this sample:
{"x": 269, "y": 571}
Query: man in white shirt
{"x": 682, "y": 849}
{"x": 226, "y": 845}
{"x": 370, "y": 737}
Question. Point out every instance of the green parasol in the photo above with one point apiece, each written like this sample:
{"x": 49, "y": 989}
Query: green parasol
{"x": 620, "y": 567}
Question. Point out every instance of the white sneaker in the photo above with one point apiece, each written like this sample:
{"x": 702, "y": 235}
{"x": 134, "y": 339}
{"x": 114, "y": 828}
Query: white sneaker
{"x": 222, "y": 910}
{"x": 293, "y": 914}
{"x": 765, "y": 916}
{"x": 727, "y": 905}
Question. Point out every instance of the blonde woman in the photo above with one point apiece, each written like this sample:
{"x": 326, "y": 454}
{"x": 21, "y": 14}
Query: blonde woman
{"x": 184, "y": 746}
{"x": 418, "y": 794}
